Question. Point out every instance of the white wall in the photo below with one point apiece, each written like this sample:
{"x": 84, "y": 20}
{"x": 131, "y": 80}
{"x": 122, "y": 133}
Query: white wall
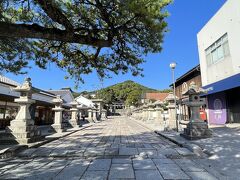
{"x": 226, "y": 20}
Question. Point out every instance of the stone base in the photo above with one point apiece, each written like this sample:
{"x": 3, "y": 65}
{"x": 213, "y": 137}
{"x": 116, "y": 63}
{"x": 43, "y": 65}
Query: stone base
{"x": 22, "y": 134}
{"x": 58, "y": 128}
{"x": 74, "y": 124}
{"x": 151, "y": 119}
{"x": 171, "y": 124}
{"x": 90, "y": 120}
{"x": 196, "y": 130}
{"x": 103, "y": 118}
{"x": 95, "y": 120}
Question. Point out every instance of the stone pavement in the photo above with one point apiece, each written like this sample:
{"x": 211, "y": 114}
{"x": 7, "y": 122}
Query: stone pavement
{"x": 224, "y": 148}
{"x": 113, "y": 149}
{"x": 9, "y": 150}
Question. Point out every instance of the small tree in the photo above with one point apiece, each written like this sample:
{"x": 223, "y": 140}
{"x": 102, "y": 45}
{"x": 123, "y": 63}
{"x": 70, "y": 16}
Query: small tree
{"x": 133, "y": 98}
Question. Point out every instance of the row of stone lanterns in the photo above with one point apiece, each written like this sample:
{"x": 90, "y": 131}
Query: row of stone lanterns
{"x": 22, "y": 128}
{"x": 154, "y": 113}
{"x": 195, "y": 128}
{"x": 94, "y": 115}
{"x": 150, "y": 113}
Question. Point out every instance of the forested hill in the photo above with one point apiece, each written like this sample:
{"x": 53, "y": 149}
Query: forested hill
{"x": 129, "y": 85}
{"x": 128, "y": 92}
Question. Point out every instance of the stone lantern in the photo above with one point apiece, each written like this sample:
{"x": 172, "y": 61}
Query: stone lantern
{"x": 95, "y": 114}
{"x": 138, "y": 116}
{"x": 150, "y": 111}
{"x": 90, "y": 115}
{"x": 104, "y": 114}
{"x": 74, "y": 111}
{"x": 158, "y": 108}
{"x": 145, "y": 112}
{"x": 172, "y": 122}
{"x": 134, "y": 113}
{"x": 81, "y": 112}
{"x": 58, "y": 125}
{"x": 140, "y": 113}
{"x": 22, "y": 127}
{"x": 196, "y": 128}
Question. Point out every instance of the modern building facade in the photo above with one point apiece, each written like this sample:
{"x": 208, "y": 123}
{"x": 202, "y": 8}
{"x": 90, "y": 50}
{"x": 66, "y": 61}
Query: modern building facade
{"x": 219, "y": 47}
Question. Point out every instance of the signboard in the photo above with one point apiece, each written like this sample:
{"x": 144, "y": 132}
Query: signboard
{"x": 217, "y": 108}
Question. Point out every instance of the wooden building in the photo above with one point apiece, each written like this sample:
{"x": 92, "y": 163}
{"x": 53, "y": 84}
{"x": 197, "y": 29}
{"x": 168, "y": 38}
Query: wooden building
{"x": 41, "y": 111}
{"x": 182, "y": 84}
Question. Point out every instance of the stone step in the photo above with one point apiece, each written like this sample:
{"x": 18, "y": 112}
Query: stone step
{"x": 8, "y": 141}
{"x": 5, "y": 134}
{"x": 9, "y": 138}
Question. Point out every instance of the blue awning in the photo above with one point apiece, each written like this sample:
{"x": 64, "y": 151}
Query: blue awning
{"x": 225, "y": 84}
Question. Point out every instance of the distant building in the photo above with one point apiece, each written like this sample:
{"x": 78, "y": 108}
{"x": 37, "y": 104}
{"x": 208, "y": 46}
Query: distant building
{"x": 84, "y": 101}
{"x": 116, "y": 108}
{"x": 219, "y": 47}
{"x": 93, "y": 95}
{"x": 153, "y": 96}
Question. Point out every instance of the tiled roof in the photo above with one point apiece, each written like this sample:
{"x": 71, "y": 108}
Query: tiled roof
{"x": 6, "y": 80}
{"x": 156, "y": 96}
{"x": 59, "y": 92}
{"x": 62, "y": 93}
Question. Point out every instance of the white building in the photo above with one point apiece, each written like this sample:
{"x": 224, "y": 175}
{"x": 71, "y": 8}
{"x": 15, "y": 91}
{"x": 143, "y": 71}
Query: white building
{"x": 84, "y": 101}
{"x": 219, "y": 54}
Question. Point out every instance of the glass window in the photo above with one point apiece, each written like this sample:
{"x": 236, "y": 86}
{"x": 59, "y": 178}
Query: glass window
{"x": 214, "y": 56}
{"x": 226, "y": 49}
{"x": 218, "y": 50}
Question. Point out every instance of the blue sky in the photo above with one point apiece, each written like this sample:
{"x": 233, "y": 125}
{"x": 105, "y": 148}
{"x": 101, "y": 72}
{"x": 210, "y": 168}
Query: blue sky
{"x": 186, "y": 19}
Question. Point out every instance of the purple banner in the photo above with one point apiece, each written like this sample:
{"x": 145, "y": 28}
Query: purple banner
{"x": 217, "y": 108}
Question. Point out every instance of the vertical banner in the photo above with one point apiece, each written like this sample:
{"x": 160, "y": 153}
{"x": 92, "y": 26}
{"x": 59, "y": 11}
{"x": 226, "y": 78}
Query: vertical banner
{"x": 217, "y": 108}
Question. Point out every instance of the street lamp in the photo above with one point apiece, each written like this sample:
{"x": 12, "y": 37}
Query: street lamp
{"x": 173, "y": 66}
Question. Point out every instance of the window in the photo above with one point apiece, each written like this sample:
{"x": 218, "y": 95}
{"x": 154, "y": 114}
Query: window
{"x": 226, "y": 49}
{"x": 218, "y": 50}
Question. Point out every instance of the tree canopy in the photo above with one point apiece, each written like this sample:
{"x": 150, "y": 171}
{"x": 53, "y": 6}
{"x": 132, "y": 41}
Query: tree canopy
{"x": 80, "y": 35}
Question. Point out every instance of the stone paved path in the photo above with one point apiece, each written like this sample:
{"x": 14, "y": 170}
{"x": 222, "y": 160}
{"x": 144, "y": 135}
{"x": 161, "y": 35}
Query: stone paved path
{"x": 113, "y": 149}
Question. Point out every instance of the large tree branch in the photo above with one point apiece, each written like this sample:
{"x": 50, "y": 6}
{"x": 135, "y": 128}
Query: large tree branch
{"x": 51, "y": 9}
{"x": 38, "y": 32}
{"x": 96, "y": 54}
{"x": 106, "y": 17}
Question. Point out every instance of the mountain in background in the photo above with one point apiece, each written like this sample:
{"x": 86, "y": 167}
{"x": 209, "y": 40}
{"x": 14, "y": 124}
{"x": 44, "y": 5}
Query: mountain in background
{"x": 128, "y": 92}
